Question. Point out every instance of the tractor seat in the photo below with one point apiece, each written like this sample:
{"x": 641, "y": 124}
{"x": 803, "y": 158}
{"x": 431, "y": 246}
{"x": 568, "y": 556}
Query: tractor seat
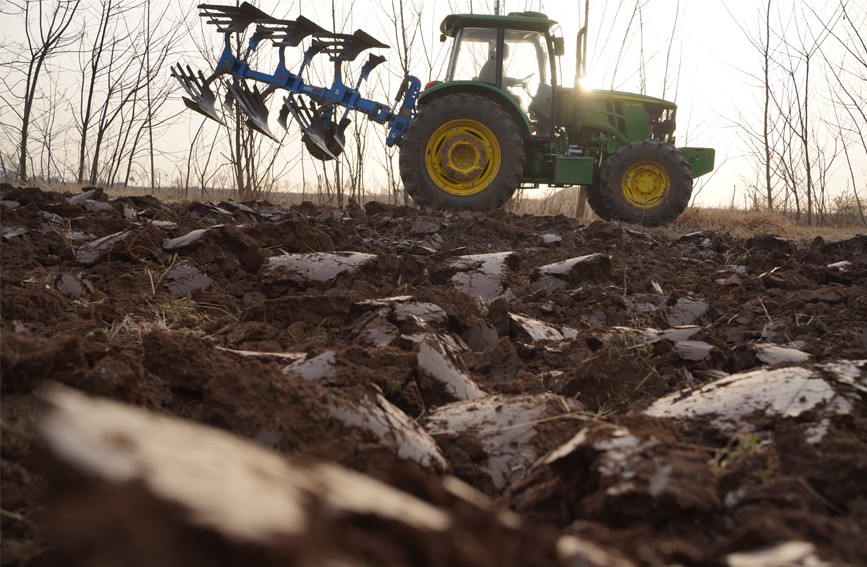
{"x": 488, "y": 72}
{"x": 540, "y": 106}
{"x": 540, "y": 109}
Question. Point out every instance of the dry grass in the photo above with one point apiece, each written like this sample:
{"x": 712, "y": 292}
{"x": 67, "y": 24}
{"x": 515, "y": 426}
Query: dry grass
{"x": 739, "y": 223}
{"x": 550, "y": 202}
{"x": 744, "y": 224}
{"x": 176, "y": 315}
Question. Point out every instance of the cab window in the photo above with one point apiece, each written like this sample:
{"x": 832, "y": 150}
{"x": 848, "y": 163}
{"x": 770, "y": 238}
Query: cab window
{"x": 525, "y": 65}
{"x": 475, "y": 56}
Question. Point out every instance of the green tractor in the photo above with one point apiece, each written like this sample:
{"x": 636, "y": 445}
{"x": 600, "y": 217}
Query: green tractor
{"x": 500, "y": 120}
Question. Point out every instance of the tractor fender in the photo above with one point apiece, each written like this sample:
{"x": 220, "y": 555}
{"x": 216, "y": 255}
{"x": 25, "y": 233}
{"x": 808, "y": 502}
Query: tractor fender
{"x": 487, "y": 90}
{"x": 701, "y": 160}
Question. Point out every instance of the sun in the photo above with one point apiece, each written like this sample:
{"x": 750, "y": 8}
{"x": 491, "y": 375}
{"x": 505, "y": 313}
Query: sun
{"x": 590, "y": 82}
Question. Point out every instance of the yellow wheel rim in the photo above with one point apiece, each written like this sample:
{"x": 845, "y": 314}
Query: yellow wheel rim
{"x": 646, "y": 185}
{"x": 463, "y": 157}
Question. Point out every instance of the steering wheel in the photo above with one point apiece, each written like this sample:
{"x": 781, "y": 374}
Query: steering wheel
{"x": 523, "y": 83}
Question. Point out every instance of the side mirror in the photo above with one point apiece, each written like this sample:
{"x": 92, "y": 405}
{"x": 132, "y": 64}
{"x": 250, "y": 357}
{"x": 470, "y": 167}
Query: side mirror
{"x": 559, "y": 46}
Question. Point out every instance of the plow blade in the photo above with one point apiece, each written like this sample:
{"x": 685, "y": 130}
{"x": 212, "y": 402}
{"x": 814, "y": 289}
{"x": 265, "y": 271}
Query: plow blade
{"x": 288, "y": 33}
{"x": 232, "y": 19}
{"x": 322, "y": 137}
{"x": 373, "y": 61}
{"x": 343, "y": 47}
{"x": 252, "y": 103}
{"x": 202, "y": 99}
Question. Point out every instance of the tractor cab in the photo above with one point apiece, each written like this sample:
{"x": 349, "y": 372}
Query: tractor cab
{"x": 512, "y": 53}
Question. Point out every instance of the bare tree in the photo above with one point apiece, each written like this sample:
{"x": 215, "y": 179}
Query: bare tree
{"x": 848, "y": 75}
{"x": 404, "y": 17}
{"x": 636, "y": 10}
{"x": 355, "y": 162}
{"x": 799, "y": 61}
{"x": 46, "y": 25}
{"x": 91, "y": 68}
{"x": 798, "y": 143}
{"x": 46, "y": 164}
{"x": 763, "y": 142}
{"x": 233, "y": 147}
{"x": 98, "y": 110}
{"x": 766, "y": 61}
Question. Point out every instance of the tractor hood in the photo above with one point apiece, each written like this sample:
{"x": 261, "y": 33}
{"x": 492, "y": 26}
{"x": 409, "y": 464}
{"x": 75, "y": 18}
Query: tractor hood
{"x": 627, "y": 97}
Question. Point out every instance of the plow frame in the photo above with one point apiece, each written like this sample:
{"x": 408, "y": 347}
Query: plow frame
{"x": 319, "y": 122}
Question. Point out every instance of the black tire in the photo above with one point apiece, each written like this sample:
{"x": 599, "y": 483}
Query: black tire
{"x": 594, "y": 199}
{"x": 452, "y": 132}
{"x": 645, "y": 182}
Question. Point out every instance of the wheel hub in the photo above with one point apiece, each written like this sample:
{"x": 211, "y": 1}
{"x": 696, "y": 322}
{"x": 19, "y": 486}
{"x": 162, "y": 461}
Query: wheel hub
{"x": 645, "y": 185}
{"x": 463, "y": 157}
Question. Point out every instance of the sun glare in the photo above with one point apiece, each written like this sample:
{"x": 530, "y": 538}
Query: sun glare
{"x": 590, "y": 83}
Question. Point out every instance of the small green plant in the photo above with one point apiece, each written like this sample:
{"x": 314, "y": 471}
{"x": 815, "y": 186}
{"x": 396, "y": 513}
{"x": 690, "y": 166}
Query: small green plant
{"x": 637, "y": 320}
{"x": 172, "y": 312}
{"x": 727, "y": 457}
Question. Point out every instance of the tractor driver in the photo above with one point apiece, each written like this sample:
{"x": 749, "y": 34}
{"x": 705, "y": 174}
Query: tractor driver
{"x": 488, "y": 72}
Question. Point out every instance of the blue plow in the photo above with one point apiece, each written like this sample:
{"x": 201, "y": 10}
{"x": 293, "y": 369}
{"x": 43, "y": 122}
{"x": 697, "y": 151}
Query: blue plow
{"x": 321, "y": 112}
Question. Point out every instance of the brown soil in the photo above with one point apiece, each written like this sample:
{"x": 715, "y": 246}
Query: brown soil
{"x": 156, "y": 323}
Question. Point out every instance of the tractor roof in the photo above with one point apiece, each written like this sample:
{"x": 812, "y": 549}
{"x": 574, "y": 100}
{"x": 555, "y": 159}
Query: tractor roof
{"x": 526, "y": 21}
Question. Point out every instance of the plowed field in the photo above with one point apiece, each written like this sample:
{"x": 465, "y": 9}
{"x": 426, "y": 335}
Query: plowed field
{"x": 550, "y": 392}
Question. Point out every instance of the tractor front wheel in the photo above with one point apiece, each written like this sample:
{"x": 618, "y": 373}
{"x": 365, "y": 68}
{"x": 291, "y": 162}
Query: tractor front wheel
{"x": 462, "y": 152}
{"x": 647, "y": 182}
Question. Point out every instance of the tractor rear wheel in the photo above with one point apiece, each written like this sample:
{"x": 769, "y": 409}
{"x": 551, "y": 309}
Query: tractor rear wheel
{"x": 647, "y": 182}
{"x": 594, "y": 199}
{"x": 462, "y": 152}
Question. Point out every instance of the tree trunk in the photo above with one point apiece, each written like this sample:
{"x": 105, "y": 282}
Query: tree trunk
{"x": 766, "y": 133}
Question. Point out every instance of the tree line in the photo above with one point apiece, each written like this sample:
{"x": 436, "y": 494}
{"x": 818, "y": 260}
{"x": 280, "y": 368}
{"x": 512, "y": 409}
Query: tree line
{"x": 811, "y": 81}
